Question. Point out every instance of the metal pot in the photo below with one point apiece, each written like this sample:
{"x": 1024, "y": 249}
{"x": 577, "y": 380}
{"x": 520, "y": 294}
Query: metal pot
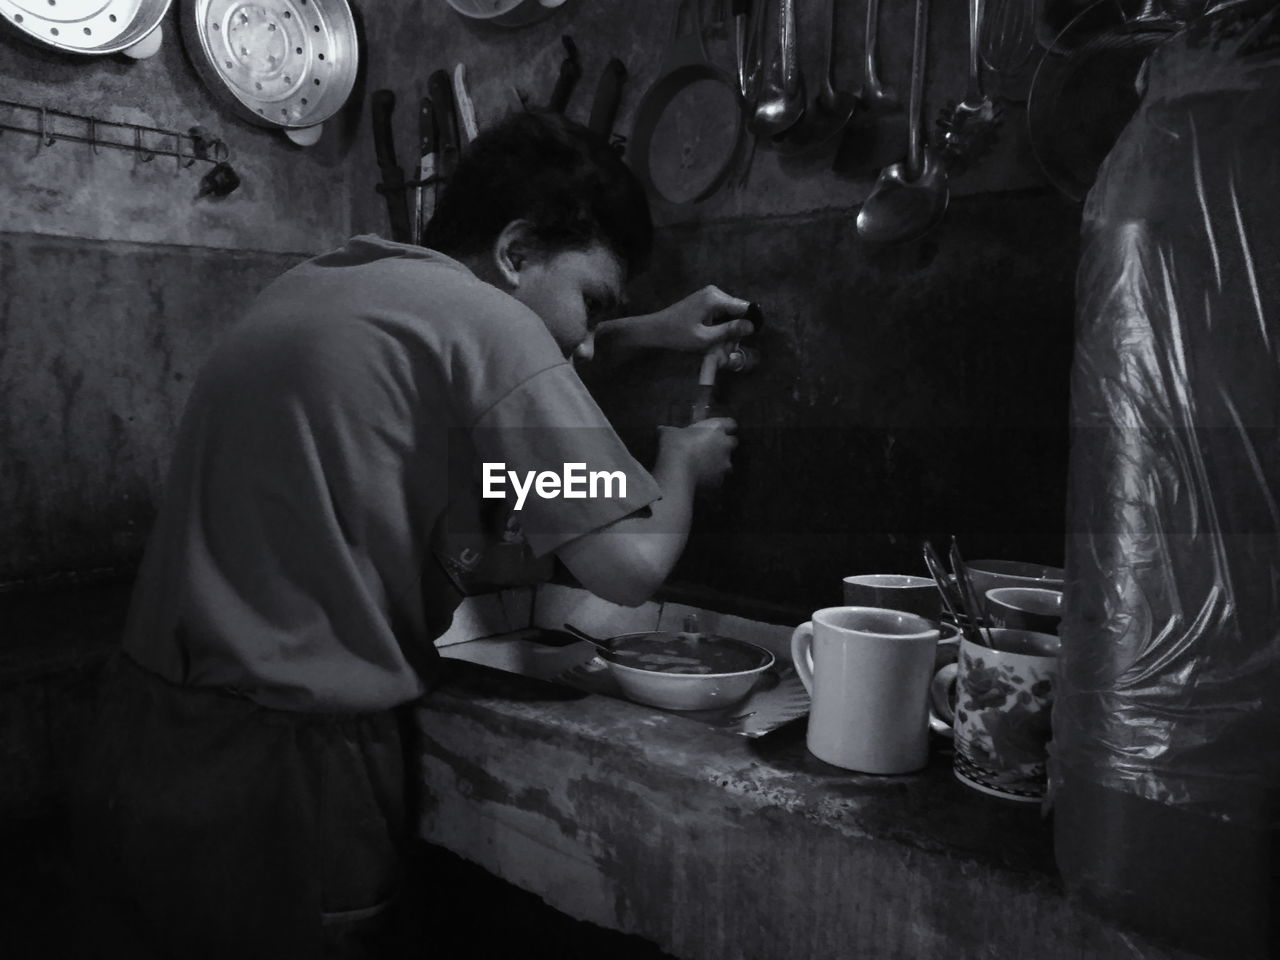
{"x": 278, "y": 63}
{"x": 131, "y": 27}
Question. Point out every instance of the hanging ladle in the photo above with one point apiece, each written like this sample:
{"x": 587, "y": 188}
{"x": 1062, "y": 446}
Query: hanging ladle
{"x": 782, "y": 101}
{"x": 878, "y": 127}
{"x": 831, "y": 109}
{"x": 909, "y": 197}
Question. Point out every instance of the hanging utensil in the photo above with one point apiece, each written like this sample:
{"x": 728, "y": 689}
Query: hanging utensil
{"x": 910, "y": 197}
{"x": 275, "y": 63}
{"x": 1009, "y": 46}
{"x": 131, "y": 27}
{"x": 567, "y": 78}
{"x": 604, "y": 108}
{"x": 382, "y": 105}
{"x": 878, "y": 127}
{"x": 830, "y": 111}
{"x": 781, "y": 101}
{"x": 1086, "y": 88}
{"x": 440, "y": 90}
{"x": 687, "y": 134}
{"x": 468, "y": 129}
{"x": 968, "y": 128}
{"x": 741, "y": 30}
{"x": 424, "y": 193}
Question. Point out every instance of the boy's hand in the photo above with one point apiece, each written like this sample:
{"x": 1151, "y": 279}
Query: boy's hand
{"x": 701, "y": 320}
{"x": 695, "y": 324}
{"x": 704, "y": 449}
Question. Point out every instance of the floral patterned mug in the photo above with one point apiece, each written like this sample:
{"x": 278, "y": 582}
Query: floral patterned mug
{"x": 996, "y": 701}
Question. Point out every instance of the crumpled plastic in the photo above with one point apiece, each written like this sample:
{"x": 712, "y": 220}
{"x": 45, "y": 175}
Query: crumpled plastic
{"x": 1170, "y": 668}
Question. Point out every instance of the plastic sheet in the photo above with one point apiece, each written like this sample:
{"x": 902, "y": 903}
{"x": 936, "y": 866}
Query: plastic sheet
{"x": 1170, "y": 685}
{"x": 1165, "y": 760}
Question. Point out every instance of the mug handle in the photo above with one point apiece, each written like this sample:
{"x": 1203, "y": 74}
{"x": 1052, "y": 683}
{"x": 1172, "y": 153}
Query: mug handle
{"x": 802, "y": 654}
{"x": 942, "y": 694}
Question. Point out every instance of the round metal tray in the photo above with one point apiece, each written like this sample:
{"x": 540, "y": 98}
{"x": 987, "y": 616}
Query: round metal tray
{"x": 85, "y": 26}
{"x": 283, "y": 63}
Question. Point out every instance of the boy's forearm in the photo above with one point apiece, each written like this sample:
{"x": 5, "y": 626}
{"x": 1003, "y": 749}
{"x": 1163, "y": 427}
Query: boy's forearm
{"x": 618, "y": 339}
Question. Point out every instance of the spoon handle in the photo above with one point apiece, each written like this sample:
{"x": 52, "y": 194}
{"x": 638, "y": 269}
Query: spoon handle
{"x": 787, "y": 17}
{"x": 870, "y": 78}
{"x": 915, "y": 146}
{"x": 583, "y": 635}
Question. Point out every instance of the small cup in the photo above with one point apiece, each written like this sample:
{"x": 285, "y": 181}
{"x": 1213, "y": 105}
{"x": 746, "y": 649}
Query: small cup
{"x": 894, "y": 591}
{"x": 996, "y": 701}
{"x": 1025, "y": 608}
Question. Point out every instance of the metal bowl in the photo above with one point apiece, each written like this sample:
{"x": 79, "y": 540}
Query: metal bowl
{"x": 506, "y": 13}
{"x": 282, "y": 63}
{"x": 86, "y": 26}
{"x": 732, "y": 668}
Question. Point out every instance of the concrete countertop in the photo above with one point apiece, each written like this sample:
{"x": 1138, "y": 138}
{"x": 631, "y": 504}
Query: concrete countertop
{"x": 717, "y": 846}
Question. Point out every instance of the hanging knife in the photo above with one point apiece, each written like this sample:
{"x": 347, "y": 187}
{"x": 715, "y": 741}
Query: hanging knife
{"x": 424, "y": 194}
{"x": 392, "y": 185}
{"x": 570, "y": 71}
{"x": 440, "y": 90}
{"x": 604, "y": 109}
{"x": 466, "y": 109}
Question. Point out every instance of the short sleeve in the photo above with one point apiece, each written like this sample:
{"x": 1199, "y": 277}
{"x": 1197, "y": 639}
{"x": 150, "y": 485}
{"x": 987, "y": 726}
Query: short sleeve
{"x": 548, "y": 452}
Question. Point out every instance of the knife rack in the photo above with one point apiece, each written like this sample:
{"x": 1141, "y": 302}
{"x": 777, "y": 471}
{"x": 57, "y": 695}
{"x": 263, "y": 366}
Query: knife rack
{"x": 50, "y": 126}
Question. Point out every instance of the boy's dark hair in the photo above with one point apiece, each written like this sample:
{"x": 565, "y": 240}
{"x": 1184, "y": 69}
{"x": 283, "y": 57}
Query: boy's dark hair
{"x": 563, "y": 178}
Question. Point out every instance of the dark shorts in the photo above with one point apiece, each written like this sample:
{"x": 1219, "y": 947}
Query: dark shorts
{"x": 209, "y": 826}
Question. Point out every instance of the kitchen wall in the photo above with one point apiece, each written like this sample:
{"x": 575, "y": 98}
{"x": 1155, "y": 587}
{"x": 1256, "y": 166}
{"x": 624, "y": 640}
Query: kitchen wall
{"x": 917, "y": 390}
{"x": 115, "y": 280}
{"x": 913, "y": 390}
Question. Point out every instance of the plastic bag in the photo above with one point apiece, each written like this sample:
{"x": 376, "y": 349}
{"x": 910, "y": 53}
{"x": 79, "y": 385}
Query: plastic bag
{"x": 1169, "y": 701}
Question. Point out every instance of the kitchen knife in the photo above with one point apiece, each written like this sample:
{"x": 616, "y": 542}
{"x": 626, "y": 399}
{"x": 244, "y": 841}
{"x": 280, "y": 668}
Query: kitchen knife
{"x": 466, "y": 109}
{"x": 392, "y": 185}
{"x": 440, "y": 90}
{"x": 570, "y": 71}
{"x": 424, "y": 193}
{"x": 604, "y": 109}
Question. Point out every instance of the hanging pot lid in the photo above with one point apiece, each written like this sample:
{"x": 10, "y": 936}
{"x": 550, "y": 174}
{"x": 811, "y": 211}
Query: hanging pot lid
{"x": 278, "y": 63}
{"x": 90, "y": 26}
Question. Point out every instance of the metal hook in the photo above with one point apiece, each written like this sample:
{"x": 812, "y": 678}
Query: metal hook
{"x": 47, "y": 139}
{"x": 93, "y": 134}
{"x": 147, "y": 155}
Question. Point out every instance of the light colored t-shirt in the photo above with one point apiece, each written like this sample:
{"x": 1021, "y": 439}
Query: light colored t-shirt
{"x": 325, "y": 487}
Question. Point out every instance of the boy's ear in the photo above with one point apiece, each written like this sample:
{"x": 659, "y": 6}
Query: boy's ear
{"x": 511, "y": 251}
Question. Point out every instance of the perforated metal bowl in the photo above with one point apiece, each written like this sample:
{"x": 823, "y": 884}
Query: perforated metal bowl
{"x": 282, "y": 63}
{"x": 88, "y": 26}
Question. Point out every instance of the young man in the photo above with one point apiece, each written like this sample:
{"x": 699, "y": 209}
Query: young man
{"x": 245, "y": 793}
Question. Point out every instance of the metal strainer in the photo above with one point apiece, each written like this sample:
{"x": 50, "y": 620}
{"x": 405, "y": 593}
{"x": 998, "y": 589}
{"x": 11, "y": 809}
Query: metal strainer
{"x": 285, "y": 63}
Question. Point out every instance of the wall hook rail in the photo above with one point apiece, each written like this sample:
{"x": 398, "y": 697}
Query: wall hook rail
{"x": 49, "y": 126}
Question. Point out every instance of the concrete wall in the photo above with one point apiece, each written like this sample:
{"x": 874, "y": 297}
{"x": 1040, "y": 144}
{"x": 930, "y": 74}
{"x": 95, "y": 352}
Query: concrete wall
{"x": 115, "y": 280}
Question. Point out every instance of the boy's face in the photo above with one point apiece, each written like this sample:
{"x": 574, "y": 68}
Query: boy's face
{"x": 572, "y": 291}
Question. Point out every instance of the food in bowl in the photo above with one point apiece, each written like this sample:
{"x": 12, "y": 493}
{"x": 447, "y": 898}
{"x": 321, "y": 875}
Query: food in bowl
{"x": 686, "y": 671}
{"x": 687, "y": 653}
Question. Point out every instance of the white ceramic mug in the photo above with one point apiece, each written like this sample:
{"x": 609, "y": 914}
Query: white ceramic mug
{"x": 894, "y": 591}
{"x": 867, "y": 670}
